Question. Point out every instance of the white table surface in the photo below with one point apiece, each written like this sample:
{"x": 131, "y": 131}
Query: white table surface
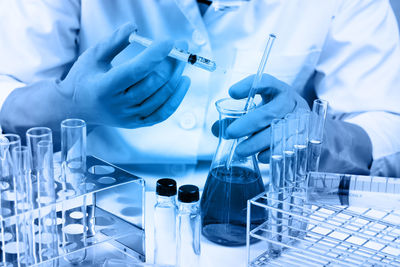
{"x": 211, "y": 253}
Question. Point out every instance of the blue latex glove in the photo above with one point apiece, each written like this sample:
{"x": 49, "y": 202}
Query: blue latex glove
{"x": 346, "y": 147}
{"x": 143, "y": 91}
{"x": 278, "y": 99}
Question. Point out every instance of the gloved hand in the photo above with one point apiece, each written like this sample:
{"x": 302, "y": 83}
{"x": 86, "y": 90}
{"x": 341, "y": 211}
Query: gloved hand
{"x": 278, "y": 99}
{"x": 143, "y": 91}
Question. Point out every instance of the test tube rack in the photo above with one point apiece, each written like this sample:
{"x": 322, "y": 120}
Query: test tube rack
{"x": 117, "y": 228}
{"x": 325, "y": 235}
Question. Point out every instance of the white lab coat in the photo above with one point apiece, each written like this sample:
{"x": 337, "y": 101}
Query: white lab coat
{"x": 350, "y": 46}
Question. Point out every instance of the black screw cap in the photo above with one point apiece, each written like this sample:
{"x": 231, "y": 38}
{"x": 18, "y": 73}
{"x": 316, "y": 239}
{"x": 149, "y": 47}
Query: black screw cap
{"x": 166, "y": 187}
{"x": 188, "y": 193}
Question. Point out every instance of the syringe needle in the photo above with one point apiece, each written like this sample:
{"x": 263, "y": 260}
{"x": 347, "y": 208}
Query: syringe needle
{"x": 179, "y": 54}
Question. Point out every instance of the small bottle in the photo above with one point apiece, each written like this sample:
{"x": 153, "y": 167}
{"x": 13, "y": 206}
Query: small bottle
{"x": 188, "y": 227}
{"x": 165, "y": 212}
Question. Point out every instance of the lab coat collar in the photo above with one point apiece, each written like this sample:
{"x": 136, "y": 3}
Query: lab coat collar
{"x": 191, "y": 11}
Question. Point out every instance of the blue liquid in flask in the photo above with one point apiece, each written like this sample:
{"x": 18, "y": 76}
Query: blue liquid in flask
{"x": 224, "y": 205}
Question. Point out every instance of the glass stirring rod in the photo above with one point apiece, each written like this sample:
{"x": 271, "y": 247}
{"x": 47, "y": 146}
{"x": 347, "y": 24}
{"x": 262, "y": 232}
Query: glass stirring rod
{"x": 253, "y": 90}
{"x": 179, "y": 54}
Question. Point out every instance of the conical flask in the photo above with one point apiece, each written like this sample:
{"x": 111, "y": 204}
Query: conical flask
{"x": 232, "y": 181}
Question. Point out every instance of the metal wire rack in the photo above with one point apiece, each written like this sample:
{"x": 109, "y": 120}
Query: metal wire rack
{"x": 300, "y": 234}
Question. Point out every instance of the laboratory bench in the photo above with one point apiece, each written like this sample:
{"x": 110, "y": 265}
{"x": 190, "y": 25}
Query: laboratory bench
{"x": 122, "y": 203}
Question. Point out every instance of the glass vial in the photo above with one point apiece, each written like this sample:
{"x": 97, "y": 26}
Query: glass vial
{"x": 165, "y": 211}
{"x": 188, "y": 227}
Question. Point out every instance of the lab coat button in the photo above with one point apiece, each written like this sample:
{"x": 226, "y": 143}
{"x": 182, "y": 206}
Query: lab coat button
{"x": 188, "y": 121}
{"x": 198, "y": 38}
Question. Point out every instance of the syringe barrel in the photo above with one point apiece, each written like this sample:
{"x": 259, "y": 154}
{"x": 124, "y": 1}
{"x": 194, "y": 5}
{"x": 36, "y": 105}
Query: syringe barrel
{"x": 353, "y": 190}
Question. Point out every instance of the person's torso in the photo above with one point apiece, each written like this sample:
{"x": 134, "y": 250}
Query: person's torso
{"x": 234, "y": 39}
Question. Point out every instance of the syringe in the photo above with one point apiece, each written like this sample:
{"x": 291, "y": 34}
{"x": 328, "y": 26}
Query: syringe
{"x": 178, "y": 54}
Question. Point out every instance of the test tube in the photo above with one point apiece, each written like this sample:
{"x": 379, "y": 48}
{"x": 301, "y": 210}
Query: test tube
{"x": 10, "y": 245}
{"x": 73, "y": 154}
{"x": 74, "y": 212}
{"x": 317, "y": 124}
{"x": 22, "y": 167}
{"x": 14, "y": 141}
{"x": 277, "y": 185}
{"x": 301, "y": 145}
{"x": 40, "y": 145}
{"x": 289, "y": 149}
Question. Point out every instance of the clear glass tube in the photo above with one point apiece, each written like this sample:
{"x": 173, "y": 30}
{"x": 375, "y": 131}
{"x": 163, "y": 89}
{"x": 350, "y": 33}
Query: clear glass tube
{"x": 276, "y": 148}
{"x": 73, "y": 154}
{"x": 10, "y": 238}
{"x": 253, "y": 90}
{"x": 22, "y": 166}
{"x": 40, "y": 145}
{"x": 301, "y": 145}
{"x": 289, "y": 149}
{"x": 317, "y": 125}
{"x": 14, "y": 141}
{"x": 76, "y": 214}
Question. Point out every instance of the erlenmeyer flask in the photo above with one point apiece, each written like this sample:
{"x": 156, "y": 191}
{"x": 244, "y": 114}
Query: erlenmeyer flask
{"x": 230, "y": 183}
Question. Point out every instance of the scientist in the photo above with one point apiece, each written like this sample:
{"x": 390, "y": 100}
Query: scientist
{"x": 344, "y": 51}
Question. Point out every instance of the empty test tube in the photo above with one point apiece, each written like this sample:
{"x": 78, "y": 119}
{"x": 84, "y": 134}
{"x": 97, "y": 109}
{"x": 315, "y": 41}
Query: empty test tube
{"x": 76, "y": 214}
{"x": 73, "y": 154}
{"x": 317, "y": 124}
{"x": 14, "y": 141}
{"x": 22, "y": 166}
{"x": 10, "y": 245}
{"x": 40, "y": 145}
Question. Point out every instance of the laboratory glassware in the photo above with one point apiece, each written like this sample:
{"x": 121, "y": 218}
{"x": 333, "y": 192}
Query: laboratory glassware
{"x": 289, "y": 155}
{"x": 298, "y": 227}
{"x": 223, "y": 203}
{"x": 382, "y": 193}
{"x": 10, "y": 235}
{"x": 301, "y": 145}
{"x": 316, "y": 134}
{"x": 77, "y": 216}
{"x": 24, "y": 203}
{"x": 280, "y": 187}
{"x": 73, "y": 154}
{"x": 179, "y": 54}
{"x": 165, "y": 211}
{"x": 253, "y": 90}
{"x": 40, "y": 145}
{"x": 14, "y": 141}
{"x": 188, "y": 227}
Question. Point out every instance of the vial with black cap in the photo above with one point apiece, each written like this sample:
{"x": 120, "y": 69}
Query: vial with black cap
{"x": 165, "y": 211}
{"x": 188, "y": 226}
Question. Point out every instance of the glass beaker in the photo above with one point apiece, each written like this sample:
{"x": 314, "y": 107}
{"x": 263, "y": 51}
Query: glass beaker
{"x": 230, "y": 183}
